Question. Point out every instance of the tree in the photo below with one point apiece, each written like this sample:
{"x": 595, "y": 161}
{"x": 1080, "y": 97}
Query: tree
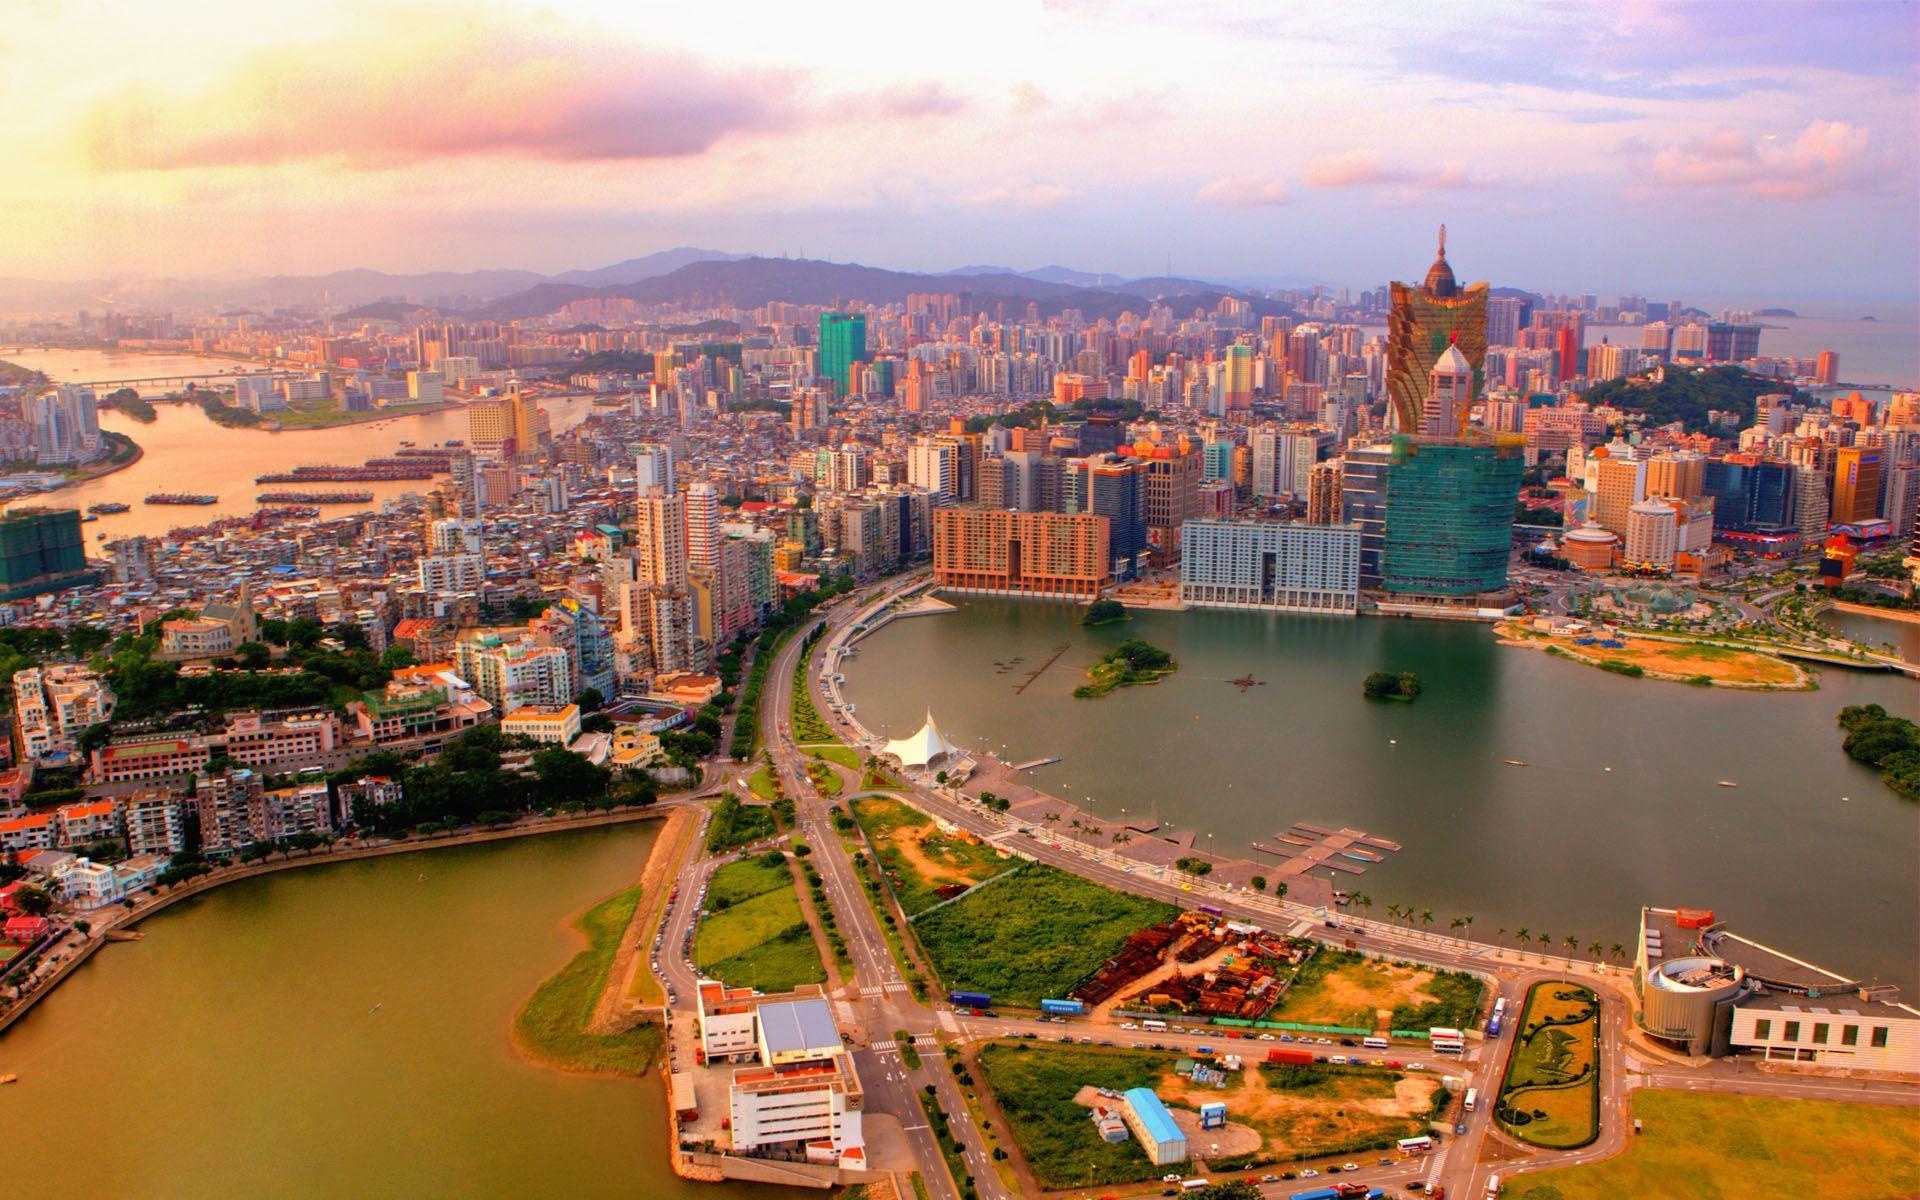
{"x": 1617, "y": 950}
{"x": 591, "y": 700}
{"x": 33, "y": 901}
{"x": 567, "y": 778}
{"x": 1258, "y": 883}
{"x": 94, "y": 736}
{"x": 1193, "y": 866}
{"x": 1102, "y": 612}
{"x": 253, "y": 655}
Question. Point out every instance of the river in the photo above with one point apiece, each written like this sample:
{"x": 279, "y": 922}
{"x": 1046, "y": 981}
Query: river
{"x": 236, "y": 1049}
{"x": 184, "y": 451}
{"x": 1620, "y": 806}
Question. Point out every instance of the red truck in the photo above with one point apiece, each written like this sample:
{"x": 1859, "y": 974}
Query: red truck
{"x": 1282, "y": 1054}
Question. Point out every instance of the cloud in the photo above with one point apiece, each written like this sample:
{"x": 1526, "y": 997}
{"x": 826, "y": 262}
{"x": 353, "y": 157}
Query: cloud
{"x": 450, "y": 90}
{"x": 1244, "y": 193}
{"x": 1032, "y": 193}
{"x": 1363, "y": 168}
{"x": 927, "y": 99}
{"x": 1827, "y": 157}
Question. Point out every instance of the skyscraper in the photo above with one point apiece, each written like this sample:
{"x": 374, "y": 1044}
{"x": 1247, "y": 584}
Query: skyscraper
{"x": 843, "y": 342}
{"x": 1424, "y": 321}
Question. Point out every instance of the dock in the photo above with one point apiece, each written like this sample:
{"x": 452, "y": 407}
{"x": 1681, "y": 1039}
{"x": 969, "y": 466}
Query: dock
{"x": 1038, "y": 762}
{"x": 1306, "y": 845}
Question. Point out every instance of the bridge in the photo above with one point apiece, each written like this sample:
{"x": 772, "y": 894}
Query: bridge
{"x": 176, "y": 382}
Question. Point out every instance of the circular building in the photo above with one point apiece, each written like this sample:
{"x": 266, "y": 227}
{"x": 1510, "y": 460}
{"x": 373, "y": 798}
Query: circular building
{"x": 1590, "y": 547}
{"x": 1689, "y": 1002}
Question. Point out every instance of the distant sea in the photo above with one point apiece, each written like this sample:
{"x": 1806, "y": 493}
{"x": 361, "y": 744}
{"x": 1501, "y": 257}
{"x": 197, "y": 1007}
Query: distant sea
{"x": 1881, "y": 353}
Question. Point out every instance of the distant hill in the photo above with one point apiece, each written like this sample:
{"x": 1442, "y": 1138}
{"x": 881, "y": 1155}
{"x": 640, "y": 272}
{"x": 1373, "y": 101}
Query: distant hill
{"x": 750, "y": 282}
{"x": 1687, "y": 395}
{"x": 647, "y": 266}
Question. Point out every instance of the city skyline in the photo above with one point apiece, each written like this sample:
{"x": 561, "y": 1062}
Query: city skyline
{"x": 1646, "y": 148}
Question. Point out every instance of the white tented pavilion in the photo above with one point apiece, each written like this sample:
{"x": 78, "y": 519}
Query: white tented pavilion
{"x": 921, "y": 748}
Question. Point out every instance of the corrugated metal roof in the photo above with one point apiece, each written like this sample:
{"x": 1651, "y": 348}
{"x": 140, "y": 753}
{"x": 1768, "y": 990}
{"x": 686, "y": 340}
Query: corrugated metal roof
{"x": 799, "y": 1025}
{"x": 1154, "y": 1115}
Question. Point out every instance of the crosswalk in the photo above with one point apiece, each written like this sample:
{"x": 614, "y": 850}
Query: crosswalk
{"x": 895, "y": 988}
{"x": 925, "y": 1041}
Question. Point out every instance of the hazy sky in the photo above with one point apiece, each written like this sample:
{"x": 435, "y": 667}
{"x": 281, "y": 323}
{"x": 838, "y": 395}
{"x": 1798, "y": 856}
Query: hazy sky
{"x": 1677, "y": 148}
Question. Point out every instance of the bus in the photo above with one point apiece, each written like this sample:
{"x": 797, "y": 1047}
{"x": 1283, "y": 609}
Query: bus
{"x": 1154, "y": 1026}
{"x": 1212, "y": 910}
{"x": 1472, "y": 1101}
{"x": 1447, "y": 1041}
{"x": 1416, "y": 1145}
{"x": 1376, "y": 1043}
{"x": 1499, "y": 1015}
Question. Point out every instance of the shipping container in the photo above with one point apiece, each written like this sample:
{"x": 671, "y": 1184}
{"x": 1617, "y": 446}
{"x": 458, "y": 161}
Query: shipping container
{"x": 1283, "y": 1055}
{"x": 1063, "y": 1008}
{"x": 969, "y": 999}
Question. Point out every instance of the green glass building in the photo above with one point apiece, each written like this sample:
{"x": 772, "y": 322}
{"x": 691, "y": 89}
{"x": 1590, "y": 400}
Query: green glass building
{"x": 1449, "y": 516}
{"x": 843, "y": 342}
{"x": 41, "y": 549}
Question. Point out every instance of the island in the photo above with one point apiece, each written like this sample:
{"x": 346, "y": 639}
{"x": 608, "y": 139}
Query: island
{"x": 1389, "y": 685}
{"x": 1104, "y": 612}
{"x": 1132, "y": 661}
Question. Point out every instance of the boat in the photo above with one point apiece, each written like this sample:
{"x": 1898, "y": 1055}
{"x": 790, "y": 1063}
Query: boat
{"x": 313, "y": 497}
{"x": 181, "y": 498}
{"x": 9, "y": 1079}
{"x": 109, "y": 506}
{"x": 1728, "y": 783}
{"x": 1515, "y": 762}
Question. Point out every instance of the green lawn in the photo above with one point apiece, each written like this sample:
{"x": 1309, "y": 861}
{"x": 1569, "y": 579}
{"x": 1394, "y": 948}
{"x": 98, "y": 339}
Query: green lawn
{"x": 754, "y": 934}
{"x": 762, "y": 783}
{"x": 1035, "y": 1084}
{"x": 1550, "y": 1093}
{"x": 1702, "y": 1146}
{"x": 824, "y": 780}
{"x": 846, "y": 756}
{"x": 807, "y": 725}
{"x": 552, "y": 1024}
{"x": 1032, "y": 934}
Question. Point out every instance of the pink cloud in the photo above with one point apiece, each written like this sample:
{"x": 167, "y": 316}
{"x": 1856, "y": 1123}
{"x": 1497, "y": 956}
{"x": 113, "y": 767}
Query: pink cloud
{"x": 1244, "y": 193}
{"x": 1827, "y": 157}
{"x": 1032, "y": 193}
{"x": 452, "y": 90}
{"x": 1363, "y": 168}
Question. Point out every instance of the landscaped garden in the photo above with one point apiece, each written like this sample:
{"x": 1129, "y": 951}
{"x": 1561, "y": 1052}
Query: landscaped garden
{"x": 921, "y": 860}
{"x": 1550, "y": 1095}
{"x": 1031, "y": 933}
{"x": 735, "y": 824}
{"x": 808, "y": 727}
{"x": 753, "y": 933}
{"x": 1707, "y": 1146}
{"x": 846, "y": 756}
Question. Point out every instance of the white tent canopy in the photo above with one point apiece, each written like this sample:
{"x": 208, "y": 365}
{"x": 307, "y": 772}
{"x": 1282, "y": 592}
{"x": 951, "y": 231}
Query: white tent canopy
{"x": 920, "y": 749}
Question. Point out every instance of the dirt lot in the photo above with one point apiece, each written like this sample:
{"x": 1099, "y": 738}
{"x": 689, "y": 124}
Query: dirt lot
{"x": 1356, "y": 994}
{"x": 1725, "y": 666}
{"x": 1336, "y": 1110}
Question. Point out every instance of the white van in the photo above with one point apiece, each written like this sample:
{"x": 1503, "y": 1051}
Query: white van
{"x": 1493, "y": 1185}
{"x": 1376, "y": 1043}
{"x": 1472, "y": 1101}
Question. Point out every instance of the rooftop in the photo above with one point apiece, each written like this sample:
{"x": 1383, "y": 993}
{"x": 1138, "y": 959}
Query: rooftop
{"x": 799, "y": 1026}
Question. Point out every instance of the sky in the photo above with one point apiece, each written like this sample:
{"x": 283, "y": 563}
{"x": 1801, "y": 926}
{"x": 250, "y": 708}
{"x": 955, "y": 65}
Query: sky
{"x": 1676, "y": 149}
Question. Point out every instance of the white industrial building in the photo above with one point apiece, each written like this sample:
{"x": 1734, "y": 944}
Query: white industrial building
{"x": 802, "y": 1093}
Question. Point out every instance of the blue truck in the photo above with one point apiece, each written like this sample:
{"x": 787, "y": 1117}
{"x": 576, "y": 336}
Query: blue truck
{"x": 969, "y": 999}
{"x": 1064, "y": 1008}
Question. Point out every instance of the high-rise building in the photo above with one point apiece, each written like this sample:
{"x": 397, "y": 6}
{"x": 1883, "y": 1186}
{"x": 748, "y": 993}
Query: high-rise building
{"x": 1173, "y": 495}
{"x": 934, "y": 464}
{"x": 653, "y": 468}
{"x": 1448, "y": 516}
{"x": 1040, "y": 554}
{"x": 843, "y": 342}
{"x": 1323, "y": 494}
{"x": 703, "y": 525}
{"x": 41, "y": 549}
{"x": 1116, "y": 489}
{"x": 1856, "y": 485}
{"x": 1730, "y": 342}
{"x": 1239, "y": 377}
{"x": 1826, "y": 371}
{"x": 660, "y": 541}
{"x": 1681, "y": 473}
{"x": 1423, "y": 322}
{"x": 1270, "y": 565}
{"x": 1652, "y": 535}
{"x": 1449, "y": 398}
{"x": 1620, "y": 482}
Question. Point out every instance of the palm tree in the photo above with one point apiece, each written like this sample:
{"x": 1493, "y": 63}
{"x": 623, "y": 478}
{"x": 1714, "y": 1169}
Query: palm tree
{"x": 1594, "y": 948}
{"x": 1618, "y": 951}
{"x": 1572, "y": 944}
{"x": 1426, "y": 916}
{"x": 1544, "y": 941}
{"x": 1467, "y": 921}
{"x": 1393, "y": 910}
{"x": 1457, "y": 923}
{"x": 1500, "y": 938}
{"x": 1522, "y": 935}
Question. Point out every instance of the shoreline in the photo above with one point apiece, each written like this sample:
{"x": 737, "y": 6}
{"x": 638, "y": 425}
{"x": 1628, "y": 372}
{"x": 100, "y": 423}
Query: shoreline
{"x": 1904, "y": 615}
{"x": 126, "y": 919}
{"x": 1509, "y": 634}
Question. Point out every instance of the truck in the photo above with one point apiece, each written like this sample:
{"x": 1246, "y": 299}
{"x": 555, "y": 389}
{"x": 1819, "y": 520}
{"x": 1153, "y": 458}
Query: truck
{"x": 969, "y": 999}
{"x": 1289, "y": 1055}
{"x": 1064, "y": 1008}
{"x": 1325, "y": 1193}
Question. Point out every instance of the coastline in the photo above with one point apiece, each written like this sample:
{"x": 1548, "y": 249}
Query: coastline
{"x": 1905, "y": 615}
{"x": 126, "y": 919}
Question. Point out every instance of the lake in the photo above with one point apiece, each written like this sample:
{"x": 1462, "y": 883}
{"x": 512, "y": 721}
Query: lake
{"x": 1620, "y": 805}
{"x": 236, "y": 1050}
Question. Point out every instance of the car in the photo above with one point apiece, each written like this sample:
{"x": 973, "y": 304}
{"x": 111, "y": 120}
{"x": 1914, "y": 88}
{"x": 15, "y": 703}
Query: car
{"x": 1309, "y": 1173}
{"x": 1417, "y": 1185}
{"x": 1269, "y": 1178}
{"x": 1286, "y": 1037}
{"x": 1288, "y": 1175}
{"x": 1171, "y": 1178}
{"x": 1266, "y": 1037}
{"x": 1347, "y": 1042}
{"x": 1460, "y": 1129}
{"x": 1067, "y": 1038}
{"x": 1376, "y": 1062}
{"x": 1396, "y": 1066}
{"x": 1386, "y": 1162}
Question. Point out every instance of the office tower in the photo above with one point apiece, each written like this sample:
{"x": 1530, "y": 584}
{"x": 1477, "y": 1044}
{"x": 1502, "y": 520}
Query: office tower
{"x": 1449, "y": 396}
{"x": 1269, "y": 565}
{"x": 1424, "y": 321}
{"x": 1811, "y": 504}
{"x": 1681, "y": 473}
{"x": 1506, "y": 316}
{"x": 1363, "y": 501}
{"x": 1042, "y": 554}
{"x": 1856, "y": 485}
{"x": 1216, "y": 460}
{"x": 1727, "y": 341}
{"x": 1173, "y": 495}
{"x": 426, "y": 387}
{"x": 1826, "y": 372}
{"x": 1652, "y": 532}
{"x": 703, "y": 525}
{"x": 1116, "y": 489}
{"x": 1449, "y": 516}
{"x": 1656, "y": 338}
{"x": 1323, "y": 494}
{"x": 934, "y": 464}
{"x": 1900, "y": 500}
{"x": 653, "y": 468}
{"x": 1620, "y": 482}
{"x": 1610, "y": 361}
{"x": 660, "y": 541}
{"x": 843, "y": 342}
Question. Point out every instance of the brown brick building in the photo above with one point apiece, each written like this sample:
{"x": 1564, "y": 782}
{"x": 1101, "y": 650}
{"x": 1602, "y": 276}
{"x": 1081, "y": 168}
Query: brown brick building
{"x": 1023, "y": 553}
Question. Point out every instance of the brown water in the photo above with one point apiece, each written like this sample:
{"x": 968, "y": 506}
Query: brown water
{"x": 186, "y": 452}
{"x": 1620, "y": 805}
{"x": 237, "y": 1050}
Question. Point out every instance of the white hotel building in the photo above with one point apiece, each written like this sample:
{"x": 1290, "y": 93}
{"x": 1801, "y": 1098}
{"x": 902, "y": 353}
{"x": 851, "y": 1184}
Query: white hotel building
{"x": 1270, "y": 565}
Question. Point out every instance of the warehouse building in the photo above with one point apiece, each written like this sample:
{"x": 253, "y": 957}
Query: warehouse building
{"x": 1154, "y": 1126}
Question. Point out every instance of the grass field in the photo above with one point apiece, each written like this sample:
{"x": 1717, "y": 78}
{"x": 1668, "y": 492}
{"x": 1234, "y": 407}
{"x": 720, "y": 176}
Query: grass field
{"x": 552, "y": 1024}
{"x": 1338, "y": 987}
{"x": 1701, "y": 1146}
{"x": 846, "y": 756}
{"x": 1034, "y": 933}
{"x": 736, "y": 824}
{"x": 1550, "y": 1094}
{"x": 1035, "y": 1085}
{"x": 754, "y": 934}
{"x": 762, "y": 782}
{"x": 919, "y": 857}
